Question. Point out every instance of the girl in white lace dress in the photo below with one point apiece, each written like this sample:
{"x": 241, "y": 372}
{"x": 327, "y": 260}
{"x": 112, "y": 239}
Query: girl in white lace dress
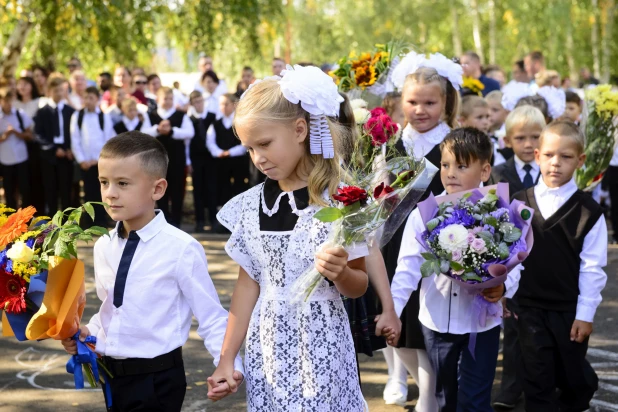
{"x": 299, "y": 358}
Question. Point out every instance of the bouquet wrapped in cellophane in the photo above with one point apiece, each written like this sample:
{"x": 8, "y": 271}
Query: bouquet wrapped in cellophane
{"x": 601, "y": 105}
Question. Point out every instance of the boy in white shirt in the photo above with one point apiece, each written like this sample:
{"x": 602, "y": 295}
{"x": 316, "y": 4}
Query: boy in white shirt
{"x": 15, "y": 131}
{"x": 151, "y": 278}
{"x": 446, "y": 311}
{"x": 90, "y": 129}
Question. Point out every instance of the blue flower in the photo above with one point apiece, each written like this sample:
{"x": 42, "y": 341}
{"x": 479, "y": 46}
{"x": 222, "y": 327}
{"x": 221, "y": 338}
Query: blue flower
{"x": 500, "y": 214}
{"x": 30, "y": 242}
{"x": 489, "y": 228}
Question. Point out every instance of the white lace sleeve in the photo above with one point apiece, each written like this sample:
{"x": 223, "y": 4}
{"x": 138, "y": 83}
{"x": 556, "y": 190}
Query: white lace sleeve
{"x": 231, "y": 216}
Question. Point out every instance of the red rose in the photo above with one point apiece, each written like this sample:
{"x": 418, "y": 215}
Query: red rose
{"x": 350, "y": 195}
{"x": 377, "y": 112}
{"x": 382, "y": 190}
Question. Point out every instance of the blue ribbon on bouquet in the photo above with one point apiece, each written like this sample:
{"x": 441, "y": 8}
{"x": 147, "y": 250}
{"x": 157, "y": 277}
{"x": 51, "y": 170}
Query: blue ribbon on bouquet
{"x": 86, "y": 356}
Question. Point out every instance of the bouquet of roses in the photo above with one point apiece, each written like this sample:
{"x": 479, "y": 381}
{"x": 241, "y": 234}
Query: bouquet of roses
{"x": 42, "y": 290}
{"x": 360, "y": 213}
{"x": 475, "y": 238}
{"x": 600, "y": 129}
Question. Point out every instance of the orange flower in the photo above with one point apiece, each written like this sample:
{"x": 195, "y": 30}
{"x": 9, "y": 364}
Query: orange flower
{"x": 16, "y": 225}
{"x": 365, "y": 76}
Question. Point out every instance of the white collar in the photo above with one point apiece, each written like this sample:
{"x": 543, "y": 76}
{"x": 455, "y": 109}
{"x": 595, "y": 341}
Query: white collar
{"x": 565, "y": 191}
{"x": 147, "y": 232}
{"x": 97, "y": 110}
{"x": 519, "y": 164}
{"x": 433, "y": 136}
{"x": 53, "y": 104}
{"x": 192, "y": 112}
{"x": 165, "y": 113}
{"x": 227, "y": 119}
{"x": 130, "y": 123}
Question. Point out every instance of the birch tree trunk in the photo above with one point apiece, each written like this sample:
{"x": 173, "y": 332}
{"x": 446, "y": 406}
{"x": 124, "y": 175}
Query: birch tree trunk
{"x": 573, "y": 74}
{"x": 476, "y": 29}
{"x": 492, "y": 31}
{"x": 457, "y": 49}
{"x": 12, "y": 49}
{"x": 596, "y": 63}
{"x": 607, "y": 38}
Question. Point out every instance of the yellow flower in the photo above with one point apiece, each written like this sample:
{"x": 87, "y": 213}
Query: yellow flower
{"x": 473, "y": 85}
{"x": 24, "y": 270}
{"x": 20, "y": 252}
{"x": 365, "y": 76}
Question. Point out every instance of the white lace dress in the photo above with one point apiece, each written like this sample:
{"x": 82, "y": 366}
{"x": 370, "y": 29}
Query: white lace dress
{"x": 297, "y": 358}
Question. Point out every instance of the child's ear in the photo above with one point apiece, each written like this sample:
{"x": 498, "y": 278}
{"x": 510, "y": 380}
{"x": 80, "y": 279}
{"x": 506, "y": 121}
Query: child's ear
{"x": 537, "y": 156}
{"x": 485, "y": 172}
{"x": 160, "y": 186}
{"x": 581, "y": 160}
{"x": 300, "y": 130}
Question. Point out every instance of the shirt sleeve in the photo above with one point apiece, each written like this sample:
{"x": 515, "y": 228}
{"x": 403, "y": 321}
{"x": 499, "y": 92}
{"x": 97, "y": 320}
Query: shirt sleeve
{"x": 592, "y": 278}
{"x": 188, "y": 151}
{"x": 185, "y": 131}
{"x": 94, "y": 326}
{"x": 237, "y": 151}
{"x": 148, "y": 128}
{"x": 197, "y": 287}
{"x": 28, "y": 123}
{"x": 512, "y": 281}
{"x": 108, "y": 127}
{"x": 408, "y": 274}
{"x": 76, "y": 140}
{"x": 211, "y": 142}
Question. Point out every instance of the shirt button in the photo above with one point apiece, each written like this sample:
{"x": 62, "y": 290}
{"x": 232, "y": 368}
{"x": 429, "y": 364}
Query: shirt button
{"x": 116, "y": 311}
{"x": 454, "y": 294}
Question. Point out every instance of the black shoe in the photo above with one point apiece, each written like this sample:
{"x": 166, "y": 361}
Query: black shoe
{"x": 505, "y": 403}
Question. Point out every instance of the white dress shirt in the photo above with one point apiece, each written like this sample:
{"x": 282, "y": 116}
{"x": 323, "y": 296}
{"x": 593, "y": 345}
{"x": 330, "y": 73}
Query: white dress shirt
{"x": 13, "y": 150}
{"x": 211, "y": 139}
{"x": 167, "y": 284}
{"x": 185, "y": 131}
{"x": 614, "y": 160}
{"x": 132, "y": 124}
{"x": 58, "y": 139}
{"x": 418, "y": 144}
{"x": 519, "y": 166}
{"x": 87, "y": 142}
{"x": 498, "y": 158}
{"x": 76, "y": 101}
{"x": 593, "y": 256}
{"x": 444, "y": 306}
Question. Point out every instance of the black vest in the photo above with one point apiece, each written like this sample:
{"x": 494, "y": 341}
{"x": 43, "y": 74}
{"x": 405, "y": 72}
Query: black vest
{"x": 120, "y": 127}
{"x": 550, "y": 280}
{"x": 225, "y": 137}
{"x": 175, "y": 147}
{"x": 198, "y": 148}
{"x": 434, "y": 156}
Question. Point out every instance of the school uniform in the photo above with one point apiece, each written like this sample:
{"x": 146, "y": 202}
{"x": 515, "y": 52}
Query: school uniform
{"x": 53, "y": 126}
{"x": 221, "y": 138}
{"x": 612, "y": 178}
{"x": 150, "y": 286}
{"x": 14, "y": 158}
{"x": 174, "y": 143}
{"x": 518, "y": 174}
{"x": 204, "y": 170}
{"x": 127, "y": 125}
{"x": 89, "y": 132}
{"x": 562, "y": 282}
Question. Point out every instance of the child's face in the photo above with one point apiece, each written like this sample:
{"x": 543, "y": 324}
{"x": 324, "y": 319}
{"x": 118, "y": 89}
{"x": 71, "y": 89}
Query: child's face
{"x": 423, "y": 105}
{"x": 497, "y": 115}
{"x": 573, "y": 111}
{"x": 91, "y": 101}
{"x": 558, "y": 158}
{"x": 524, "y": 140}
{"x": 479, "y": 119}
{"x": 57, "y": 93}
{"x": 129, "y": 191}
{"x": 247, "y": 76}
{"x": 198, "y": 104}
{"x": 226, "y": 107}
{"x": 130, "y": 111}
{"x": 6, "y": 105}
{"x": 24, "y": 88}
{"x": 457, "y": 177}
{"x": 276, "y": 149}
{"x": 166, "y": 101}
{"x": 210, "y": 85}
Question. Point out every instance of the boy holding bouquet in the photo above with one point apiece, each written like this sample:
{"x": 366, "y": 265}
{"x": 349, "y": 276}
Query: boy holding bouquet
{"x": 151, "y": 278}
{"x": 446, "y": 310}
{"x": 561, "y": 287}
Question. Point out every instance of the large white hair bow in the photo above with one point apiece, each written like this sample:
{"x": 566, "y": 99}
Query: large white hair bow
{"x": 513, "y": 92}
{"x": 413, "y": 61}
{"x": 555, "y": 98}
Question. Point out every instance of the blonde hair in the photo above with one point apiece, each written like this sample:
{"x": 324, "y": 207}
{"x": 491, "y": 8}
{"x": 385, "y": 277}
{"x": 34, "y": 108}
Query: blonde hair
{"x": 495, "y": 96}
{"x": 127, "y": 103}
{"x": 471, "y": 102}
{"x": 391, "y": 101}
{"x": 526, "y": 115}
{"x": 566, "y": 129}
{"x": 547, "y": 78}
{"x": 265, "y": 103}
{"x": 164, "y": 91}
{"x": 426, "y": 75}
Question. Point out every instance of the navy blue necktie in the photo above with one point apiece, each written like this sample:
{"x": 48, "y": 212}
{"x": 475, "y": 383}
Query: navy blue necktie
{"x": 123, "y": 268}
{"x": 528, "y": 181}
{"x": 56, "y": 122}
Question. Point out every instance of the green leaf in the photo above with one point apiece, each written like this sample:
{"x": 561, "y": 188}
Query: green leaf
{"x": 513, "y": 235}
{"x": 72, "y": 229}
{"x": 89, "y": 209}
{"x": 57, "y": 219}
{"x": 456, "y": 266}
{"x": 435, "y": 266}
{"x": 97, "y": 230}
{"x": 444, "y": 266}
{"x": 486, "y": 236}
{"x": 432, "y": 224}
{"x": 328, "y": 214}
{"x": 427, "y": 269}
{"x": 490, "y": 220}
{"x": 503, "y": 250}
{"x": 61, "y": 249}
{"x": 50, "y": 239}
{"x": 348, "y": 210}
{"x": 467, "y": 195}
{"x": 71, "y": 249}
{"x": 75, "y": 215}
{"x": 471, "y": 276}
{"x": 86, "y": 237}
{"x": 428, "y": 256}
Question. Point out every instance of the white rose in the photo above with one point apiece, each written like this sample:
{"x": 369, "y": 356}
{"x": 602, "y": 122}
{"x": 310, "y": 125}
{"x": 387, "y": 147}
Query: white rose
{"x": 20, "y": 252}
{"x": 361, "y": 115}
{"x": 358, "y": 104}
{"x": 453, "y": 237}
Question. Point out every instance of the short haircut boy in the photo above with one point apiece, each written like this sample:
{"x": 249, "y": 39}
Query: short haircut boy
{"x": 164, "y": 91}
{"x": 93, "y": 90}
{"x": 231, "y": 97}
{"x": 152, "y": 155}
{"x": 572, "y": 97}
{"x": 6, "y": 93}
{"x": 127, "y": 103}
{"x": 495, "y": 96}
{"x": 565, "y": 129}
{"x": 56, "y": 81}
{"x": 535, "y": 101}
{"x": 469, "y": 145}
{"x": 194, "y": 95}
{"x": 471, "y": 102}
{"x": 527, "y": 115}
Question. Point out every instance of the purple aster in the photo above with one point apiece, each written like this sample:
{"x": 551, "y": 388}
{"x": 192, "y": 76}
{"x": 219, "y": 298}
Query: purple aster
{"x": 500, "y": 214}
{"x": 489, "y": 229}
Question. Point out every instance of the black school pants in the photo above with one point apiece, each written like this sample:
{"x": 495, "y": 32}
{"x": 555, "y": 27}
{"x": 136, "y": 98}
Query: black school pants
{"x": 92, "y": 193}
{"x": 511, "y": 387}
{"x": 550, "y": 360}
{"x": 232, "y": 173}
{"x": 612, "y": 178}
{"x": 16, "y": 177}
{"x": 204, "y": 188}
{"x": 174, "y": 194}
{"x": 57, "y": 174}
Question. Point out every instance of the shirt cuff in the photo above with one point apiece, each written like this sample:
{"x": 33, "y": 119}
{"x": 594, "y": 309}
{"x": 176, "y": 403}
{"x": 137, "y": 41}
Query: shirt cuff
{"x": 585, "y": 313}
{"x": 238, "y": 366}
{"x": 399, "y": 306}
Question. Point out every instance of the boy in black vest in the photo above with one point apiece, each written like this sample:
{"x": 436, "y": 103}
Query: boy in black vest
{"x": 90, "y": 129}
{"x": 131, "y": 118}
{"x": 171, "y": 127}
{"x": 53, "y": 126}
{"x": 232, "y": 160}
{"x": 560, "y": 288}
{"x": 202, "y": 163}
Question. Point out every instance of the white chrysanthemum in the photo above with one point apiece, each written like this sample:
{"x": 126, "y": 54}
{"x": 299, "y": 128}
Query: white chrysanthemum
{"x": 513, "y": 92}
{"x": 453, "y": 237}
{"x": 555, "y": 98}
{"x": 315, "y": 90}
{"x": 361, "y": 115}
{"x": 358, "y": 104}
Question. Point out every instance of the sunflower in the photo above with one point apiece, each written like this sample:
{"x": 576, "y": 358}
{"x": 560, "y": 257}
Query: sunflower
{"x": 12, "y": 293}
{"x": 15, "y": 225}
{"x": 365, "y": 76}
{"x": 363, "y": 60}
{"x": 474, "y": 85}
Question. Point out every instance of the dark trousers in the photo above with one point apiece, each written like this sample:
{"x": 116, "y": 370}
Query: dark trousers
{"x": 550, "y": 360}
{"x": 204, "y": 189}
{"x": 511, "y": 387}
{"x": 159, "y": 391}
{"x": 16, "y": 177}
{"x": 231, "y": 175}
{"x": 92, "y": 193}
{"x": 612, "y": 177}
{"x": 463, "y": 384}
{"x": 57, "y": 176}
{"x": 37, "y": 196}
{"x": 174, "y": 194}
